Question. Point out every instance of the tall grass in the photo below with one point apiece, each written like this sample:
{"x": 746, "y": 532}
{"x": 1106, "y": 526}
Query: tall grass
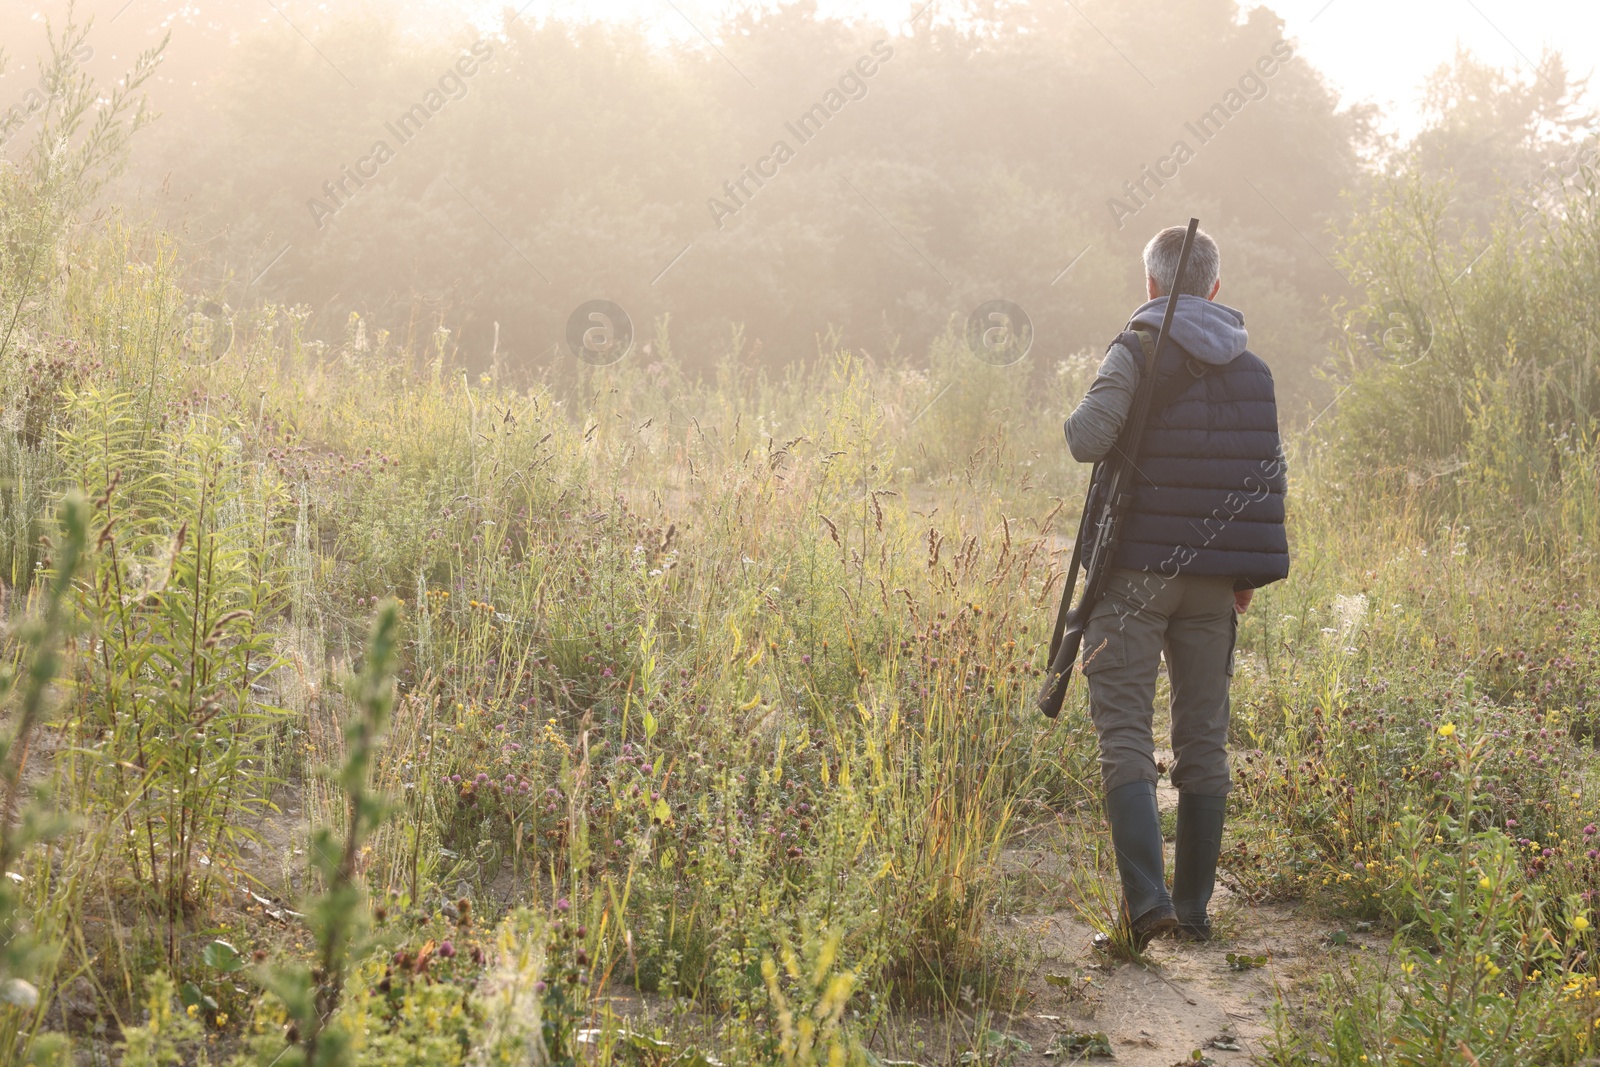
{"x": 715, "y": 694}
{"x": 27, "y": 816}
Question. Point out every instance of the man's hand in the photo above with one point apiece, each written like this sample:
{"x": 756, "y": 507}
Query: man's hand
{"x": 1241, "y": 600}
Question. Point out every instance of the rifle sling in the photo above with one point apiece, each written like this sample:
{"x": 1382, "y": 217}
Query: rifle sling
{"x": 1065, "y": 611}
{"x": 1171, "y": 386}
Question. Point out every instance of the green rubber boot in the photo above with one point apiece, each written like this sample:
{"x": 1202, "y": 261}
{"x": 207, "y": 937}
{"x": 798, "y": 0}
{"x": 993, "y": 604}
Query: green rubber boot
{"x": 1194, "y": 867}
{"x": 1136, "y": 834}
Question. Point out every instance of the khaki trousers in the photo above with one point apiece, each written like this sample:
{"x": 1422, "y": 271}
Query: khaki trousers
{"x": 1192, "y": 621}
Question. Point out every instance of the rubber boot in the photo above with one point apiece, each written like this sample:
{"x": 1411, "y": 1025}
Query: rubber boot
{"x": 1136, "y": 834}
{"x": 1194, "y": 866}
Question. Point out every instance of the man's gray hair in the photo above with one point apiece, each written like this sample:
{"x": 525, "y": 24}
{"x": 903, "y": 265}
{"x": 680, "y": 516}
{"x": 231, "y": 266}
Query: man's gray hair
{"x": 1161, "y": 261}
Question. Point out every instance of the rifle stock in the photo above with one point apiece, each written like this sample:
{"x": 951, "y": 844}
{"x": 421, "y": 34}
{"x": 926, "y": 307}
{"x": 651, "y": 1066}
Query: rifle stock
{"x": 1060, "y": 672}
{"x": 1067, "y": 639}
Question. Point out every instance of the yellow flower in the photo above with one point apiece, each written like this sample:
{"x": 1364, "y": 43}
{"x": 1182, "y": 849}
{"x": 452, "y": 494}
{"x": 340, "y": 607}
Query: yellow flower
{"x": 1580, "y": 924}
{"x": 1447, "y": 729}
{"x": 1483, "y": 883}
{"x": 194, "y": 1009}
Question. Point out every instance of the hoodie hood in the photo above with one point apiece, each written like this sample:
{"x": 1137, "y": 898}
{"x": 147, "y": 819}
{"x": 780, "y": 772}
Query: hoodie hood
{"x": 1210, "y": 332}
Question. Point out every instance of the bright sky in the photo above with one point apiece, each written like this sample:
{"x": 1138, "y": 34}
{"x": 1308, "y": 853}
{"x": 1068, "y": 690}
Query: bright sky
{"x": 1383, "y": 50}
{"x": 1373, "y": 50}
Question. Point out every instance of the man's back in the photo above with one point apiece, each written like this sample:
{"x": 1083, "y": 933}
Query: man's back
{"x": 1209, "y": 486}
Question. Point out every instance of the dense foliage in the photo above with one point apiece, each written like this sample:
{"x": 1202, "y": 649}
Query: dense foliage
{"x": 585, "y": 159}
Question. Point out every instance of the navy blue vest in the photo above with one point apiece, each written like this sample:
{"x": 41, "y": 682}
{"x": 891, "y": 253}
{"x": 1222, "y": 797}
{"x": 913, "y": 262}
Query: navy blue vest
{"x": 1208, "y": 492}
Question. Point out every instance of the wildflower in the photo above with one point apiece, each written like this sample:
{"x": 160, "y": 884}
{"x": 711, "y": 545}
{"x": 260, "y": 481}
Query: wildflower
{"x": 447, "y": 949}
{"x": 1580, "y": 924}
{"x": 1483, "y": 883}
{"x": 563, "y": 904}
{"x": 1447, "y": 729}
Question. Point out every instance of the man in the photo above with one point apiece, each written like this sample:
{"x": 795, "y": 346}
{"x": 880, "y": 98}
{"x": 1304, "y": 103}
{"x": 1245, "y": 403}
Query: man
{"x": 1204, "y": 530}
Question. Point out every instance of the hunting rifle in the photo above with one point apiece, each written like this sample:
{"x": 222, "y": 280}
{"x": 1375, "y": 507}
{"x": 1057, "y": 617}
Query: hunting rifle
{"x": 1110, "y": 491}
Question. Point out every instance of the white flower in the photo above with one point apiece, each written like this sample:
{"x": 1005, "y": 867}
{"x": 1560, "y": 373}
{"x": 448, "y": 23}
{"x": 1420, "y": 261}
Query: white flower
{"x": 19, "y": 993}
{"x": 1350, "y": 611}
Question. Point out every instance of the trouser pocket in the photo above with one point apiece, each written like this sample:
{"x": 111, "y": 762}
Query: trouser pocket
{"x": 1105, "y": 644}
{"x": 1120, "y": 622}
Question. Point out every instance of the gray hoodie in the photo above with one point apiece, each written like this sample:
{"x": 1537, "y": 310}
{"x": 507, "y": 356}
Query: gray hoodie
{"x": 1210, "y": 332}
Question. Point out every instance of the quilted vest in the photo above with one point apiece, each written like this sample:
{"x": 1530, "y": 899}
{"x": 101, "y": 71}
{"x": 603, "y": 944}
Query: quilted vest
{"x": 1209, "y": 489}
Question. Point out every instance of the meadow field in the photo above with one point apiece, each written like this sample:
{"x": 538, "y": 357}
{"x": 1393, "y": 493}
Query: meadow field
{"x": 365, "y": 707}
